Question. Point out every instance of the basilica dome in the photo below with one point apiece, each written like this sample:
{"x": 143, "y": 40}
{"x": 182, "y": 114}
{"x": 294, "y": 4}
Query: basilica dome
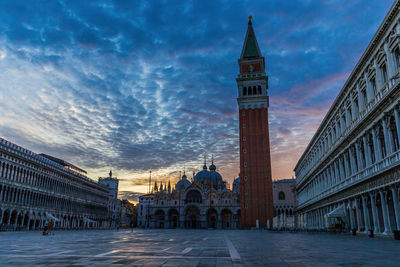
{"x": 209, "y": 177}
{"x": 182, "y": 183}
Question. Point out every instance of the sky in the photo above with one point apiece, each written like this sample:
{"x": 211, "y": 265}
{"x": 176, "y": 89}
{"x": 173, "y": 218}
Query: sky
{"x": 140, "y": 86}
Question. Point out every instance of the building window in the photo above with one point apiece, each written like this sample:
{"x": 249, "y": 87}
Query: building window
{"x": 259, "y": 90}
{"x": 364, "y": 97}
{"x": 357, "y": 108}
{"x": 249, "y": 92}
{"x": 281, "y": 195}
{"x": 244, "y": 151}
{"x": 243, "y": 113}
{"x": 246, "y": 192}
{"x": 373, "y": 84}
{"x": 244, "y": 138}
{"x": 244, "y": 91}
{"x": 384, "y": 73}
{"x": 245, "y": 164}
{"x": 254, "y": 90}
{"x": 246, "y": 206}
{"x": 244, "y": 125}
{"x": 397, "y": 57}
{"x": 245, "y": 178}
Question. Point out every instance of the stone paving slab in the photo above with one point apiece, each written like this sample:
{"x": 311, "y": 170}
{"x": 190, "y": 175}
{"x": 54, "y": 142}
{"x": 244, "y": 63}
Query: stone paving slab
{"x": 195, "y": 248}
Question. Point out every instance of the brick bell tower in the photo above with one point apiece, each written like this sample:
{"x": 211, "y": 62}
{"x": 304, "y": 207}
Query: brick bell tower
{"x": 255, "y": 159}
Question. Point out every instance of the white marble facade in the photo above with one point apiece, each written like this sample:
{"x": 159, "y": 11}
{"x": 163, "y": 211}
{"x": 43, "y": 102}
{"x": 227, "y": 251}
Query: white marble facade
{"x": 353, "y": 159}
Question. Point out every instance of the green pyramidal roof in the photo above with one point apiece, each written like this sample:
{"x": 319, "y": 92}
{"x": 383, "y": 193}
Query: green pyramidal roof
{"x": 250, "y": 49}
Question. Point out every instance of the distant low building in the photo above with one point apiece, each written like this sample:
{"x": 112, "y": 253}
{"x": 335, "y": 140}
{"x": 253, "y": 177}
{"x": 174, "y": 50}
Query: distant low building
{"x": 128, "y": 214}
{"x": 114, "y": 204}
{"x": 284, "y": 194}
{"x": 145, "y": 202}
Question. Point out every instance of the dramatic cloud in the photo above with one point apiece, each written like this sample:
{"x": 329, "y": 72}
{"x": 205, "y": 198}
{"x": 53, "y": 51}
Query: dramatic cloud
{"x": 140, "y": 86}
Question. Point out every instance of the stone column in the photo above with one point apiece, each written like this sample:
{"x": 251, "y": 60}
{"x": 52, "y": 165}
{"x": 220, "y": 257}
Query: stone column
{"x": 397, "y": 120}
{"x": 29, "y": 220}
{"x": 346, "y": 164}
{"x": 370, "y": 90}
{"x": 337, "y": 129}
{"x": 385, "y": 212}
{"x": 337, "y": 174}
{"x": 388, "y": 144}
{"x": 360, "y": 98}
{"x": 358, "y": 215}
{"x": 332, "y": 178}
{"x": 374, "y": 213}
{"x": 377, "y": 148}
{"x": 347, "y": 116}
{"x": 358, "y": 156}
{"x": 396, "y": 206}
{"x": 352, "y": 162}
{"x": 389, "y": 61}
{"x": 9, "y": 217}
{"x": 342, "y": 174}
{"x": 366, "y": 214}
{"x": 366, "y": 153}
{"x": 352, "y": 220}
{"x": 347, "y": 209}
{"x": 342, "y": 124}
{"x": 322, "y": 224}
{"x": 354, "y": 112}
{"x": 12, "y": 195}
{"x": 378, "y": 76}
{"x": 326, "y": 175}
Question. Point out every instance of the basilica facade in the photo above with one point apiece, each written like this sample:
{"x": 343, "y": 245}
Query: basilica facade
{"x": 203, "y": 202}
{"x": 349, "y": 175}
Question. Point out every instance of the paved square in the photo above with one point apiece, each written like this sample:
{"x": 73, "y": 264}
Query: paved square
{"x": 195, "y": 248}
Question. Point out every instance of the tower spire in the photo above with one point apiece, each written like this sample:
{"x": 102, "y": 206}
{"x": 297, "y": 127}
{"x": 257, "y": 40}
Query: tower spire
{"x": 155, "y": 186}
{"x": 250, "y": 46}
{"x": 150, "y": 183}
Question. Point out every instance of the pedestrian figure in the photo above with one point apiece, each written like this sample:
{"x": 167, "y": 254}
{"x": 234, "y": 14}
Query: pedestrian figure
{"x": 117, "y": 227}
{"x": 46, "y": 227}
{"x": 51, "y": 224}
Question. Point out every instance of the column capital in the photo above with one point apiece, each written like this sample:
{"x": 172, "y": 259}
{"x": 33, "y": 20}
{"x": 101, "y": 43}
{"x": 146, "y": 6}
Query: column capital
{"x": 383, "y": 191}
{"x": 394, "y": 187}
{"x": 397, "y": 106}
{"x": 372, "y": 194}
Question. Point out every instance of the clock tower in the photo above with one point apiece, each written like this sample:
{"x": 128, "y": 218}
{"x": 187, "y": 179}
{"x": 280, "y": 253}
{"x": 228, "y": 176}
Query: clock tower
{"x": 255, "y": 158}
